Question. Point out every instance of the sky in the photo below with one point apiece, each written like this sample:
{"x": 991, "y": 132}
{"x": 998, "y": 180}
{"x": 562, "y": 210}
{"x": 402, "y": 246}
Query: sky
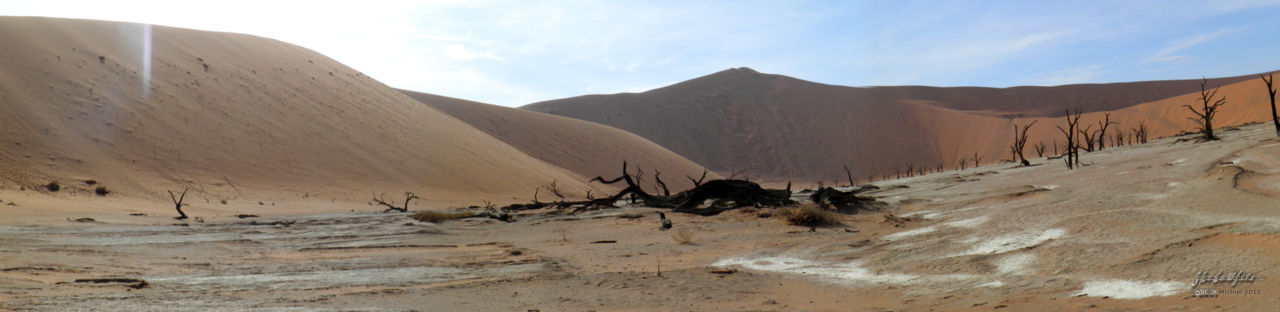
{"x": 515, "y": 53}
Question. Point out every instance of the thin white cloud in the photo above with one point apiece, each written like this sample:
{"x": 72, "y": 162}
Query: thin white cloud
{"x": 1170, "y": 53}
{"x": 985, "y": 50}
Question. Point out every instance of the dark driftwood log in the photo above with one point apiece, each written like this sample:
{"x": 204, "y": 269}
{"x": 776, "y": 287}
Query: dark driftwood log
{"x": 848, "y": 202}
{"x": 741, "y": 193}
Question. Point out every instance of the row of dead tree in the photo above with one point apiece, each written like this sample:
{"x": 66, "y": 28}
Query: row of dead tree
{"x": 705, "y": 198}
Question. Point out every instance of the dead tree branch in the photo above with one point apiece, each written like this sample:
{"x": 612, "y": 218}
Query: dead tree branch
{"x": 1072, "y": 150}
{"x": 1271, "y": 90}
{"x": 1020, "y": 142}
{"x": 177, "y": 203}
{"x": 382, "y": 201}
{"x": 1208, "y": 109}
{"x": 657, "y": 176}
{"x": 1102, "y": 132}
{"x": 698, "y": 182}
{"x": 1140, "y": 132}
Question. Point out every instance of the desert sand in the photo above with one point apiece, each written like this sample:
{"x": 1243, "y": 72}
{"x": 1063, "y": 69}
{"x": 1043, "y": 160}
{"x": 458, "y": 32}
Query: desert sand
{"x": 777, "y": 128}
{"x": 1129, "y": 231}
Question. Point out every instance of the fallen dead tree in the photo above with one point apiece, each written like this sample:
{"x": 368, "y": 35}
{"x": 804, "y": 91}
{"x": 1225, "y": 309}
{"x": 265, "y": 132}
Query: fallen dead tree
{"x": 846, "y": 202}
{"x": 726, "y": 195}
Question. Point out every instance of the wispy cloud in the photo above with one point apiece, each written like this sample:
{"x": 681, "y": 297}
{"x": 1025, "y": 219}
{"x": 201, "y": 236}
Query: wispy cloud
{"x": 1171, "y": 54}
{"x": 987, "y": 49}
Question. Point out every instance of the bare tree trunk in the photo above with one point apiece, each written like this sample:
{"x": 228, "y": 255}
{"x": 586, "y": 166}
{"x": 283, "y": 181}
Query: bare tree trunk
{"x": 1272, "y": 92}
{"x": 1102, "y": 133}
{"x": 1072, "y": 154}
{"x": 177, "y": 203}
{"x": 1209, "y": 108}
{"x": 848, "y": 174}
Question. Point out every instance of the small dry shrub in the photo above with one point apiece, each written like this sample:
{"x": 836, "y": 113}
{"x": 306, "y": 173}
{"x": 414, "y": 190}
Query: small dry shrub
{"x": 53, "y": 186}
{"x": 808, "y": 215}
{"x": 437, "y": 217}
{"x": 101, "y": 191}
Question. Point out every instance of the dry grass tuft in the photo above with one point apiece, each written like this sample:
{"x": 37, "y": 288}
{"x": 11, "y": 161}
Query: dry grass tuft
{"x": 437, "y": 217}
{"x": 808, "y": 215}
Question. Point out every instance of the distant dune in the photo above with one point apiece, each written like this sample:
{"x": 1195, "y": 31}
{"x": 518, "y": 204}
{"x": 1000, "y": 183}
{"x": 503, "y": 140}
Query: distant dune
{"x": 586, "y": 148}
{"x": 781, "y": 128}
{"x": 233, "y": 116}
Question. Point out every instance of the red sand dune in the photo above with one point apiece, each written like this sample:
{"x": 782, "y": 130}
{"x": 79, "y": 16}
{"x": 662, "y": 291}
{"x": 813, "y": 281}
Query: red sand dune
{"x": 586, "y": 148}
{"x": 234, "y": 116}
{"x": 781, "y": 128}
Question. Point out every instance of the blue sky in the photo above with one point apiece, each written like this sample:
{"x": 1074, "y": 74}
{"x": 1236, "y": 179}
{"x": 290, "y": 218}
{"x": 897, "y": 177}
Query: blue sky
{"x": 518, "y": 52}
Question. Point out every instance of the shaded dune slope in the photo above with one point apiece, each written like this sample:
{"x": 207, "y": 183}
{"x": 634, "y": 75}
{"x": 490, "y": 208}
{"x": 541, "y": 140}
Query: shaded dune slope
{"x": 781, "y": 128}
{"x": 586, "y": 148}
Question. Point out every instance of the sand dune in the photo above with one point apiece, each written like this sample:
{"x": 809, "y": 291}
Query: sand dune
{"x": 234, "y": 116}
{"x": 586, "y": 148}
{"x": 782, "y": 128}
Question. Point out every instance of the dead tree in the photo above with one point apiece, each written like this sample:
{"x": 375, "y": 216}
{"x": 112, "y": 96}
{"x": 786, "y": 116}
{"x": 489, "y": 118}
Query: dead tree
{"x": 1208, "y": 109}
{"x": 1272, "y": 92}
{"x": 1102, "y": 131}
{"x": 382, "y": 201}
{"x": 910, "y": 169}
{"x": 977, "y": 159}
{"x": 177, "y": 203}
{"x": 1140, "y": 132}
{"x": 846, "y": 202}
{"x": 1118, "y": 139}
{"x": 657, "y": 177}
{"x": 848, "y": 174}
{"x": 1039, "y": 146}
{"x": 1072, "y": 150}
{"x": 964, "y": 163}
{"x": 1020, "y": 142}
{"x": 1088, "y": 138}
{"x": 697, "y": 182}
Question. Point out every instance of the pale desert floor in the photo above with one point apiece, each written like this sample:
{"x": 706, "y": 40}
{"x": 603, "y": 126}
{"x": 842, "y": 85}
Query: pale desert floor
{"x": 1127, "y": 232}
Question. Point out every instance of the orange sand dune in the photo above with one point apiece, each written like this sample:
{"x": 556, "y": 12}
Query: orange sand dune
{"x": 234, "y": 116}
{"x": 782, "y": 128}
{"x": 586, "y": 148}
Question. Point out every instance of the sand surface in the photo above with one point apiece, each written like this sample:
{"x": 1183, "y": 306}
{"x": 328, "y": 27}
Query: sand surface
{"x": 1129, "y": 231}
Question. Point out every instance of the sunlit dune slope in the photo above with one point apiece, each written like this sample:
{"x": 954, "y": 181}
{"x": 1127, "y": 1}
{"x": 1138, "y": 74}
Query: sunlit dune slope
{"x": 231, "y": 116}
